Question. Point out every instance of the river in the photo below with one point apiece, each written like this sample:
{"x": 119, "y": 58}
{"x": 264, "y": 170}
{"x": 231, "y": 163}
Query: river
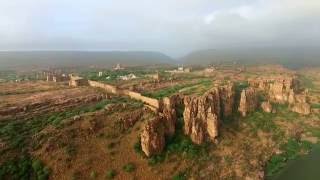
{"x": 306, "y": 167}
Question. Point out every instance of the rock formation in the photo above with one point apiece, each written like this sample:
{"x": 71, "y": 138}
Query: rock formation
{"x": 227, "y": 99}
{"x": 248, "y": 101}
{"x": 202, "y": 115}
{"x": 301, "y": 108}
{"x": 280, "y": 90}
{"x": 169, "y": 114}
{"x": 153, "y": 137}
{"x": 266, "y": 106}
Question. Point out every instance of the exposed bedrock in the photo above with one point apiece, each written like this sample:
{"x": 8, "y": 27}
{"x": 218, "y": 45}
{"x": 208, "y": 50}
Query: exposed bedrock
{"x": 249, "y": 101}
{"x": 153, "y": 137}
{"x": 202, "y": 116}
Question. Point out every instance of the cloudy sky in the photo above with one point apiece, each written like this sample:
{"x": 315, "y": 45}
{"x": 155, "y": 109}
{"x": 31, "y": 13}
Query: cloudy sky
{"x": 174, "y": 27}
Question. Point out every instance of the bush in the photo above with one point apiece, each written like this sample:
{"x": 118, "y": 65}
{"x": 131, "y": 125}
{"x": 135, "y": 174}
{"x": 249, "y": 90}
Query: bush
{"x": 111, "y": 174}
{"x": 156, "y": 159}
{"x": 130, "y": 167}
{"x": 24, "y": 168}
{"x": 180, "y": 176}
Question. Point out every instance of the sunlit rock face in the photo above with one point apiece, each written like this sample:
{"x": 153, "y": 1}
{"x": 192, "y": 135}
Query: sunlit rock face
{"x": 153, "y": 137}
{"x": 202, "y": 115}
{"x": 266, "y": 106}
{"x": 169, "y": 115}
{"x": 281, "y": 89}
{"x": 248, "y": 101}
{"x": 301, "y": 108}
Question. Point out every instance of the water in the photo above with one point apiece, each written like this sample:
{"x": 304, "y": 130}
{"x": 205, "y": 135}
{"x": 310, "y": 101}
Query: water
{"x": 304, "y": 168}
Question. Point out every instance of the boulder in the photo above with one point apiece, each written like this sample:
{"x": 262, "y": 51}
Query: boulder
{"x": 248, "y": 101}
{"x": 153, "y": 137}
{"x": 266, "y": 106}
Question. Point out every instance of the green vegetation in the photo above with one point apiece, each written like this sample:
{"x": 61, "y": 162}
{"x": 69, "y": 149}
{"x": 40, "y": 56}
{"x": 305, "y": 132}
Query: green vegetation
{"x": 165, "y": 92}
{"x": 315, "y": 106}
{"x": 260, "y": 120}
{"x": 306, "y": 82}
{"x": 24, "y": 168}
{"x": 130, "y": 167}
{"x": 111, "y": 174}
{"x": 291, "y": 150}
{"x": 180, "y": 176}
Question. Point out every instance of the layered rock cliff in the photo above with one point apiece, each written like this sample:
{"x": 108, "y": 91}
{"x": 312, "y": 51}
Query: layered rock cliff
{"x": 153, "y": 137}
{"x": 248, "y": 101}
{"x": 227, "y": 99}
{"x": 202, "y": 116}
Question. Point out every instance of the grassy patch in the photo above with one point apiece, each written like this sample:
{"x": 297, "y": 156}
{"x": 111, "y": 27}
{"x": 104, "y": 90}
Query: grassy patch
{"x": 306, "y": 82}
{"x": 315, "y": 106}
{"x": 180, "y": 176}
{"x": 130, "y": 167}
{"x": 206, "y": 84}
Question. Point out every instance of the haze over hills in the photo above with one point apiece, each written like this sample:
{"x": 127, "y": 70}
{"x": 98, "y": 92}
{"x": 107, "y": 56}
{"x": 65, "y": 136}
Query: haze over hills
{"x": 107, "y": 59}
{"x": 290, "y": 57}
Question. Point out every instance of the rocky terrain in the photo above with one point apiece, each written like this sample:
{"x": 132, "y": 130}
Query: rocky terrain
{"x": 208, "y": 127}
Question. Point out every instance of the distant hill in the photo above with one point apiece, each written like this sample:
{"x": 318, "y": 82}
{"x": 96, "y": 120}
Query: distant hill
{"x": 14, "y": 60}
{"x": 289, "y": 57}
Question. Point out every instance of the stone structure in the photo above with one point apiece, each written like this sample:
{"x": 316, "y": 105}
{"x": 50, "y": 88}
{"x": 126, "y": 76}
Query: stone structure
{"x": 78, "y": 81}
{"x": 248, "y": 101}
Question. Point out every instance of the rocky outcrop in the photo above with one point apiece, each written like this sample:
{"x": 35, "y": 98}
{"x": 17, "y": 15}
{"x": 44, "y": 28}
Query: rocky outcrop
{"x": 301, "y": 108}
{"x": 153, "y": 137}
{"x": 280, "y": 90}
{"x": 202, "y": 115}
{"x": 299, "y": 102}
{"x": 248, "y": 101}
{"x": 227, "y": 99}
{"x": 169, "y": 113}
{"x": 266, "y": 106}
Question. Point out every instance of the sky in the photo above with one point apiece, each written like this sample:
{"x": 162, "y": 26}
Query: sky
{"x": 175, "y": 27}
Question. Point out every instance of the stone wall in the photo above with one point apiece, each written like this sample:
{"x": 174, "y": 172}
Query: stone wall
{"x": 134, "y": 95}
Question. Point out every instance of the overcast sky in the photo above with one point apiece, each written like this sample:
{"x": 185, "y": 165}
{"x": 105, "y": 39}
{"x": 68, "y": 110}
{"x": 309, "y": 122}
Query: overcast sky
{"x": 174, "y": 27}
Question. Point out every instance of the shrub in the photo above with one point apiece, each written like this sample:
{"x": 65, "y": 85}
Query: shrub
{"x": 130, "y": 167}
{"x": 180, "y": 176}
{"x": 111, "y": 174}
{"x": 156, "y": 159}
